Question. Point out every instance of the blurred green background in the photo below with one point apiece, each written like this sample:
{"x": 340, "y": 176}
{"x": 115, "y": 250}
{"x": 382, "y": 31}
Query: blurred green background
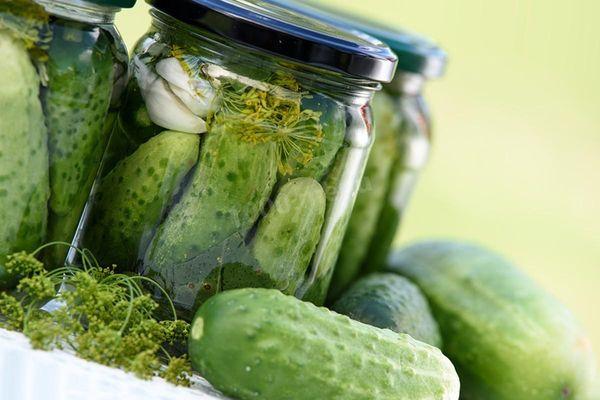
{"x": 516, "y": 164}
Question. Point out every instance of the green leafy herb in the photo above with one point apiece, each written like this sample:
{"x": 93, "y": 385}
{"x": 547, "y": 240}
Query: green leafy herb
{"x": 261, "y": 116}
{"x": 103, "y": 316}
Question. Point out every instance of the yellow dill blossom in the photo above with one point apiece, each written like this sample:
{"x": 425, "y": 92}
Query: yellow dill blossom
{"x": 259, "y": 116}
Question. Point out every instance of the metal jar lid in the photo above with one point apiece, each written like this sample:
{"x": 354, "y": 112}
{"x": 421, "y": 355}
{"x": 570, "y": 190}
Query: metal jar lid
{"x": 273, "y": 27}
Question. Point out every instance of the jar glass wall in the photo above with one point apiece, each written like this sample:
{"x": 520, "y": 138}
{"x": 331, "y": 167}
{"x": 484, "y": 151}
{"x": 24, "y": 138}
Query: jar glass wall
{"x": 230, "y": 167}
{"x": 62, "y": 70}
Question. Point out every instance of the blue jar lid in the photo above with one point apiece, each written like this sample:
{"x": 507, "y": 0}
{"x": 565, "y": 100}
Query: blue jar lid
{"x": 271, "y": 26}
{"x": 416, "y": 53}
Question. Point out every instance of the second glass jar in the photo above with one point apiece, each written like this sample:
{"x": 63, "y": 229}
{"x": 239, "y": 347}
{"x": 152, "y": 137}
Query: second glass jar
{"x": 399, "y": 154}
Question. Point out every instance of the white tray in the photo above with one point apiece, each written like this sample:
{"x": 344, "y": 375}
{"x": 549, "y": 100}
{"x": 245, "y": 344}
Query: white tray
{"x": 27, "y": 374}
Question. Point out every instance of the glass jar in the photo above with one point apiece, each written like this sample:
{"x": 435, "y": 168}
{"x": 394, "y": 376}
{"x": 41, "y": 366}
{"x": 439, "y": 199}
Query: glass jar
{"x": 63, "y": 67}
{"x": 239, "y": 151}
{"x": 400, "y": 151}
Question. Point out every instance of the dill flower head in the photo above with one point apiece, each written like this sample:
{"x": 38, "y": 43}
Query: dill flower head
{"x": 272, "y": 115}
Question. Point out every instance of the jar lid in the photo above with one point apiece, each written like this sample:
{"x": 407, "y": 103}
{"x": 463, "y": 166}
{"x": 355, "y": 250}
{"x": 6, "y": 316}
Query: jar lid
{"x": 114, "y": 3}
{"x": 416, "y": 53}
{"x": 273, "y": 27}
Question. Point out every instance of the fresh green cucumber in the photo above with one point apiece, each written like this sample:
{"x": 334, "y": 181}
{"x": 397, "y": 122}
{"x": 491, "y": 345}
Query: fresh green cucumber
{"x": 288, "y": 235}
{"x": 262, "y": 344}
{"x": 224, "y": 199}
{"x": 509, "y": 339}
{"x": 76, "y": 103}
{"x": 24, "y": 182}
{"x": 390, "y": 301}
{"x": 132, "y": 199}
{"x": 374, "y": 187}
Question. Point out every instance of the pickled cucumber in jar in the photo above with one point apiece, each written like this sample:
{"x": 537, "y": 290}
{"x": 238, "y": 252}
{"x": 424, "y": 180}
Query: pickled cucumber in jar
{"x": 24, "y": 176}
{"x": 64, "y": 68}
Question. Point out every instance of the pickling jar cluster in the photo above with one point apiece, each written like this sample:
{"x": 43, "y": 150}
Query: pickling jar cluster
{"x": 226, "y": 152}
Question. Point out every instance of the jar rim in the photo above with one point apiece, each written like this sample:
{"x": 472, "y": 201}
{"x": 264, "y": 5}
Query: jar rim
{"x": 352, "y": 89}
{"x": 81, "y": 10}
{"x": 271, "y": 27}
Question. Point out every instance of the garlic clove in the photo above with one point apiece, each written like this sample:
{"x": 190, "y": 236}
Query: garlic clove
{"x": 206, "y": 91}
{"x": 191, "y": 100}
{"x": 170, "y": 69}
{"x": 168, "y": 111}
{"x": 164, "y": 107}
{"x": 197, "y": 94}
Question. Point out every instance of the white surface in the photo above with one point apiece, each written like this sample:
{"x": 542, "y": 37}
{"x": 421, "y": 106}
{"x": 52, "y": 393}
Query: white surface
{"x": 27, "y": 374}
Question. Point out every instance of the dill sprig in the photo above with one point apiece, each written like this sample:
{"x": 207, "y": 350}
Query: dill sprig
{"x": 261, "y": 116}
{"x": 102, "y": 316}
